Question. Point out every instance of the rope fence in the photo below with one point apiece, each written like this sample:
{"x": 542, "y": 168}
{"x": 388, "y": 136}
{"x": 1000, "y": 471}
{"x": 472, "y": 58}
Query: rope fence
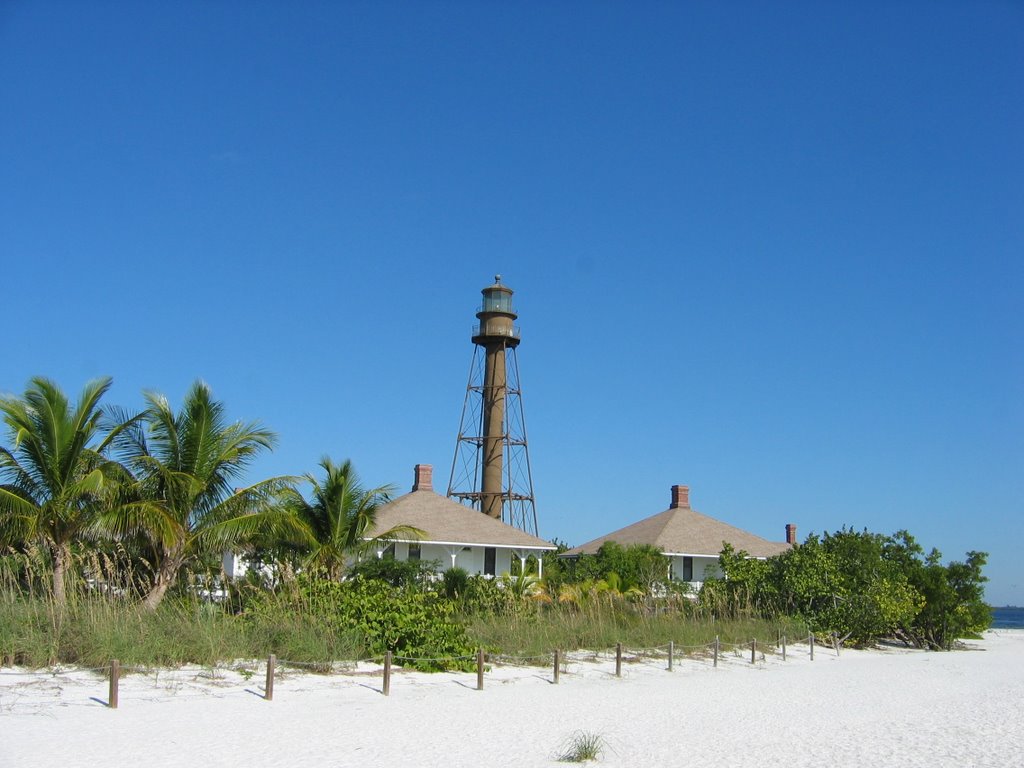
{"x": 558, "y": 661}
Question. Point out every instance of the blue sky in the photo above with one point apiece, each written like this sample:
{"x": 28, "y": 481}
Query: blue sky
{"x": 771, "y": 251}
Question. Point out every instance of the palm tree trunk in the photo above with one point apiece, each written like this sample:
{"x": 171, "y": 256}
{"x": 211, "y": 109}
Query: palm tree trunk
{"x": 286, "y": 572}
{"x": 61, "y": 555}
{"x": 166, "y": 575}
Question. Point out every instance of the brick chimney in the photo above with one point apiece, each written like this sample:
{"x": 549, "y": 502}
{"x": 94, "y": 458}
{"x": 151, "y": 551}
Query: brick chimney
{"x": 680, "y": 497}
{"x": 790, "y": 533}
{"x": 423, "y": 475}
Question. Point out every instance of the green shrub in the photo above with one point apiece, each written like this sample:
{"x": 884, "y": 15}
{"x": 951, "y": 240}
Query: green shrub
{"x": 415, "y": 625}
{"x": 860, "y": 586}
{"x": 498, "y": 597}
{"x": 397, "y": 573}
{"x": 637, "y": 566}
{"x": 455, "y": 582}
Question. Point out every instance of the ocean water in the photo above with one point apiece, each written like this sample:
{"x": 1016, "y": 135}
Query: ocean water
{"x": 1010, "y": 617}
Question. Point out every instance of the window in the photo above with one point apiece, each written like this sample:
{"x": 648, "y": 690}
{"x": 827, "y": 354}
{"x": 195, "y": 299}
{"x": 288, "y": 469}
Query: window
{"x": 389, "y": 552}
{"x": 497, "y": 301}
{"x": 490, "y": 556}
{"x": 414, "y": 552}
{"x": 687, "y": 569}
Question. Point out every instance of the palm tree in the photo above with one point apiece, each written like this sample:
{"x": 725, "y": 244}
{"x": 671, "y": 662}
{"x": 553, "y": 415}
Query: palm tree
{"x": 185, "y": 465}
{"x": 522, "y": 586}
{"x": 339, "y": 516}
{"x": 55, "y": 475}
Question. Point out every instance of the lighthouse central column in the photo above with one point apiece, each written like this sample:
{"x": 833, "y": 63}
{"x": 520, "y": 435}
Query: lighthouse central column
{"x": 495, "y": 384}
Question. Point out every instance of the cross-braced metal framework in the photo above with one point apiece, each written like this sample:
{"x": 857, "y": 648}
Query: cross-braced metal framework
{"x": 518, "y": 508}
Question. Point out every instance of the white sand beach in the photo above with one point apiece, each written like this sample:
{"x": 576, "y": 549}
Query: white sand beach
{"x": 891, "y": 707}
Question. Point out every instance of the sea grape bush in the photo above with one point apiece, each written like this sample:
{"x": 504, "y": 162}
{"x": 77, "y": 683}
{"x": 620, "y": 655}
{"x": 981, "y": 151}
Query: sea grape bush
{"x": 416, "y": 624}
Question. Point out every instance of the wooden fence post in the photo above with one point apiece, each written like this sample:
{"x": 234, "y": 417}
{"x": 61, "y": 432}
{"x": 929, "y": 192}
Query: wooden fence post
{"x": 115, "y": 679}
{"x": 386, "y": 689}
{"x": 671, "y": 653}
{"x": 835, "y": 642}
{"x": 268, "y": 688}
{"x": 753, "y": 651}
{"x": 810, "y": 639}
{"x": 557, "y": 660}
{"x": 783, "y": 647}
{"x": 618, "y": 659}
{"x": 480, "y": 669}
{"x": 716, "y": 650}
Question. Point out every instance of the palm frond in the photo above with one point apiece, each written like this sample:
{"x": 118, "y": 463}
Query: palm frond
{"x": 241, "y": 529}
{"x": 139, "y": 517}
{"x": 124, "y": 431}
{"x": 18, "y": 515}
{"x": 18, "y": 476}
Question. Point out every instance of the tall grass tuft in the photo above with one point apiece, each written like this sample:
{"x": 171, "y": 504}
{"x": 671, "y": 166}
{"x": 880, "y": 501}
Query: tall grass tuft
{"x": 581, "y": 747}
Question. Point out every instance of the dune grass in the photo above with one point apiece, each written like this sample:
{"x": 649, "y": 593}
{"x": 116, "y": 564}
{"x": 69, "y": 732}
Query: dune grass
{"x": 566, "y": 629}
{"x": 92, "y": 630}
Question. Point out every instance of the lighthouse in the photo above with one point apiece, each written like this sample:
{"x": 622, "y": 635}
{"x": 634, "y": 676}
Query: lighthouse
{"x": 491, "y": 467}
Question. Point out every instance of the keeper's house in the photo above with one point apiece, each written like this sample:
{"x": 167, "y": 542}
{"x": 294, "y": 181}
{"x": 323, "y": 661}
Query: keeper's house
{"x": 690, "y": 540}
{"x": 455, "y": 535}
